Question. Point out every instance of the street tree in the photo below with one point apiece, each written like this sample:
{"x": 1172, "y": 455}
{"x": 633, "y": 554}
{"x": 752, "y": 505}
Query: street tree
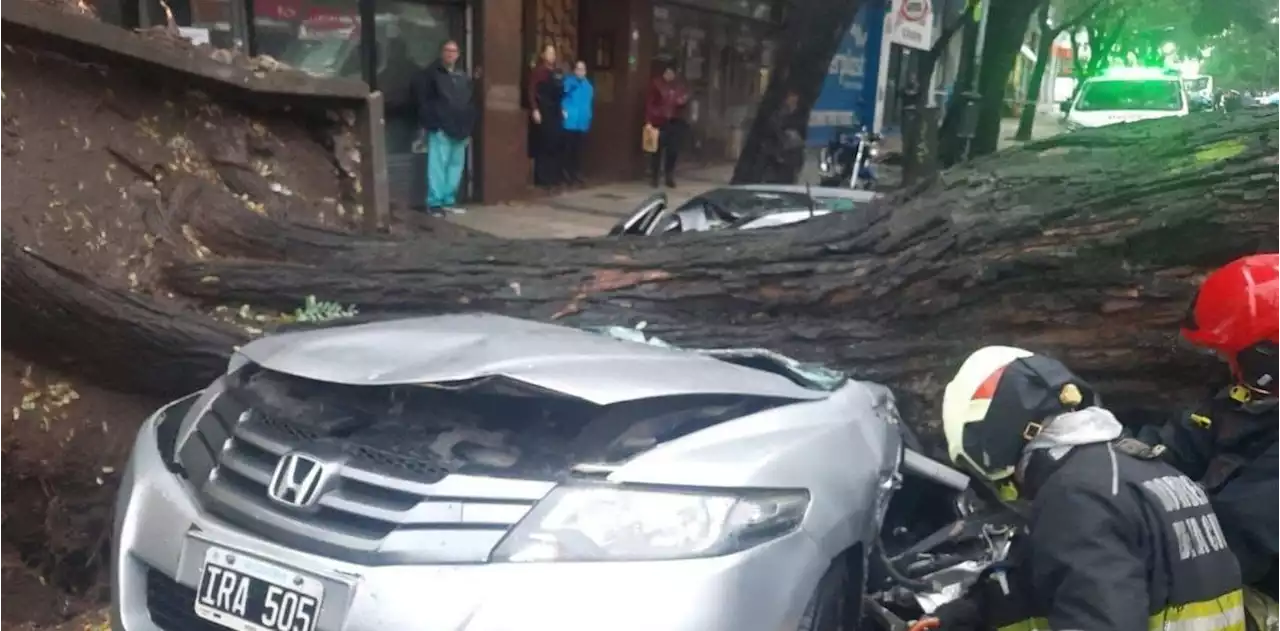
{"x": 1053, "y": 19}
{"x": 1244, "y": 58}
{"x": 809, "y": 40}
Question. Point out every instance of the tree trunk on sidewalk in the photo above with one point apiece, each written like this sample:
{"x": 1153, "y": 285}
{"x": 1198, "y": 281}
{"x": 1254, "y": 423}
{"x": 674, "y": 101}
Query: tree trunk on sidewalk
{"x": 1006, "y": 30}
{"x": 1087, "y": 246}
{"x": 811, "y": 37}
{"x": 1044, "y": 49}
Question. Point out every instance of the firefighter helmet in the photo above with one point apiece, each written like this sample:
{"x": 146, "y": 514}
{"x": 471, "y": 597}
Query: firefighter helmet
{"x": 1235, "y": 314}
{"x": 998, "y": 401}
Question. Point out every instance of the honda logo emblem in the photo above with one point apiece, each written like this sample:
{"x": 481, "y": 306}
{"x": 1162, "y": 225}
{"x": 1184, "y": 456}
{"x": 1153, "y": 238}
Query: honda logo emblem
{"x": 299, "y": 479}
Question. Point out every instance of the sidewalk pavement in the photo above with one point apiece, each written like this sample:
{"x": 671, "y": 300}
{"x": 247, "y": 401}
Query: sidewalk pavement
{"x": 592, "y": 211}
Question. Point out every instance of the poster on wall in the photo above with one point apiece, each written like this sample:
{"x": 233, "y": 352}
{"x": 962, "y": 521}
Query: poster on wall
{"x": 910, "y": 23}
{"x": 848, "y": 96}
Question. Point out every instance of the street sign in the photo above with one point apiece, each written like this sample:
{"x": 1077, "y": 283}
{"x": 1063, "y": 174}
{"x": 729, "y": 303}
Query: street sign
{"x": 910, "y": 23}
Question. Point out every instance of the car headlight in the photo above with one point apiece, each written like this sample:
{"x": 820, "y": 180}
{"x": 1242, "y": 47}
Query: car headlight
{"x": 873, "y": 151}
{"x": 599, "y": 522}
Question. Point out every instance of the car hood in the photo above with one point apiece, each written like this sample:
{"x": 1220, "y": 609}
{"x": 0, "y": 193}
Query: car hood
{"x": 455, "y": 348}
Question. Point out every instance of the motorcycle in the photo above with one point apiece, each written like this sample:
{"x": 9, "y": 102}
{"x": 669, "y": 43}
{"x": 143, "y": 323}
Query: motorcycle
{"x": 846, "y": 160}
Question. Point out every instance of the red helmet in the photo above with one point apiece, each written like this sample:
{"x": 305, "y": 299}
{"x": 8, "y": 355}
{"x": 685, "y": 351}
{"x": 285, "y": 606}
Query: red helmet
{"x": 1238, "y": 310}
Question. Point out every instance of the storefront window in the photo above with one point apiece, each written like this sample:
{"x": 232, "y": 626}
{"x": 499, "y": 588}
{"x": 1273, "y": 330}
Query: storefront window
{"x": 724, "y": 60}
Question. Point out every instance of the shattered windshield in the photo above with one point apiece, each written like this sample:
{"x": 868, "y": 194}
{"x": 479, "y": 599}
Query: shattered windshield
{"x": 812, "y": 376}
{"x": 1157, "y": 95}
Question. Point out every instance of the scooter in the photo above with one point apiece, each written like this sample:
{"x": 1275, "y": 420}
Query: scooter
{"x": 846, "y": 160}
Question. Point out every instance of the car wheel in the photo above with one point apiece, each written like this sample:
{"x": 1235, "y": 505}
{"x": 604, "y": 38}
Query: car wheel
{"x": 829, "y": 607}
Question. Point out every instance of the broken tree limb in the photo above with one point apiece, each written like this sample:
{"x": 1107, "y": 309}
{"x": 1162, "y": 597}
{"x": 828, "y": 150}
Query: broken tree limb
{"x": 116, "y": 338}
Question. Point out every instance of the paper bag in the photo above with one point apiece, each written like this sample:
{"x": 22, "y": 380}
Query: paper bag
{"x": 649, "y": 139}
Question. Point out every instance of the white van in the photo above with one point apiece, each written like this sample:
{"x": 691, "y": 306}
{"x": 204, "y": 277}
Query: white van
{"x": 1126, "y": 95}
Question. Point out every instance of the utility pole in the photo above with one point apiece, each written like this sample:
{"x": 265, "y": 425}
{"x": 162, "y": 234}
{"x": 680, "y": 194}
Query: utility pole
{"x": 972, "y": 97}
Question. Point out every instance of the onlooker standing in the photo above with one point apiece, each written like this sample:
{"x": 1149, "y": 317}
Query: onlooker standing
{"x": 546, "y": 100}
{"x": 784, "y": 145}
{"x": 446, "y": 110}
{"x": 578, "y": 96}
{"x": 664, "y": 110}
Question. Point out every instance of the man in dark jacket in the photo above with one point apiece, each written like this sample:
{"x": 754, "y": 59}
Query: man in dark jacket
{"x": 1229, "y": 443}
{"x": 1115, "y": 538}
{"x": 785, "y": 143}
{"x": 446, "y": 111}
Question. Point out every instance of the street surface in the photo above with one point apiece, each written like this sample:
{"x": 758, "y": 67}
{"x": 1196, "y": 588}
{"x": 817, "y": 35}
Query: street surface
{"x": 591, "y": 211}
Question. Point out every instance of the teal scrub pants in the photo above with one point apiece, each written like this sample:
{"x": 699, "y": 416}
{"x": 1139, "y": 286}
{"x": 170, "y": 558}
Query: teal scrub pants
{"x": 445, "y": 159}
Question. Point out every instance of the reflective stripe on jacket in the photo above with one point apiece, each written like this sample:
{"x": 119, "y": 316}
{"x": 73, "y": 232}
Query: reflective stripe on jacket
{"x": 1117, "y": 542}
{"x": 1223, "y": 612}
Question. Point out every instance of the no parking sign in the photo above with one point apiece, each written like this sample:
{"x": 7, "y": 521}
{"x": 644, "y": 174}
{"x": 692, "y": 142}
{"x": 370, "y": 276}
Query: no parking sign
{"x": 910, "y": 23}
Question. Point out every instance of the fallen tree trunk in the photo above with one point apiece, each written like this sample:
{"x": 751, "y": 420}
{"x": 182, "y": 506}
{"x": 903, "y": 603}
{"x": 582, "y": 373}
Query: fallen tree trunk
{"x": 1087, "y": 246}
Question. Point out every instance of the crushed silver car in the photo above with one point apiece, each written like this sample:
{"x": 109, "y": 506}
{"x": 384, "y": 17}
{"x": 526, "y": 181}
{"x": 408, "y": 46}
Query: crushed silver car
{"x": 483, "y": 473}
{"x": 739, "y": 207}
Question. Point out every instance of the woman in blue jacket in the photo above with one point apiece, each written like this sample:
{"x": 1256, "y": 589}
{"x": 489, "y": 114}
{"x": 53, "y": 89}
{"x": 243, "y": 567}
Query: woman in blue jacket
{"x": 578, "y": 95}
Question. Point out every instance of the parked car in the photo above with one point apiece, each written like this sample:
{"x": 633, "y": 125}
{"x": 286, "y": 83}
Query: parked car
{"x": 1126, "y": 95}
{"x": 741, "y": 207}
{"x": 486, "y": 473}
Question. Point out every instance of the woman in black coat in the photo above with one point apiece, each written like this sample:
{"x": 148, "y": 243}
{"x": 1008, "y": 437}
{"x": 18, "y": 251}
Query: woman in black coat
{"x": 545, "y": 93}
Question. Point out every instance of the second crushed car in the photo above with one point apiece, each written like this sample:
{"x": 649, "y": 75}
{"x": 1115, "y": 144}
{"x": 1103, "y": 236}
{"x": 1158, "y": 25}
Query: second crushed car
{"x": 477, "y": 472}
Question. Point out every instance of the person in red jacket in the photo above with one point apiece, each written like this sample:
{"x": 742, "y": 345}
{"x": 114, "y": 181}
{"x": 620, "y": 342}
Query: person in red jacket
{"x": 664, "y": 110}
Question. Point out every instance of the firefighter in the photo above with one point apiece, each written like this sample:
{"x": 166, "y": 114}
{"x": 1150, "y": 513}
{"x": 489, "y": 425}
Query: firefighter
{"x": 1229, "y": 443}
{"x": 1115, "y": 539}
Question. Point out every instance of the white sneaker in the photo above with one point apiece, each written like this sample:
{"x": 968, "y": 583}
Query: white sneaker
{"x": 454, "y": 210}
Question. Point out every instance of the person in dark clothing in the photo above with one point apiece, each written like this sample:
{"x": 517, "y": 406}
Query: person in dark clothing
{"x": 546, "y": 101}
{"x": 784, "y": 146}
{"x": 664, "y": 110}
{"x": 1229, "y": 442}
{"x": 1115, "y": 539}
{"x": 446, "y": 110}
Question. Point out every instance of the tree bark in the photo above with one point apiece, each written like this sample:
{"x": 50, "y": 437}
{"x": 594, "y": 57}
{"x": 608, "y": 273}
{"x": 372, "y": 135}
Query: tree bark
{"x": 1006, "y": 30}
{"x": 1044, "y": 48}
{"x": 809, "y": 40}
{"x": 1087, "y": 246}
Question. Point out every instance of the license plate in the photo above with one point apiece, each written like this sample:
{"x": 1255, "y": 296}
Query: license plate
{"x": 246, "y": 594}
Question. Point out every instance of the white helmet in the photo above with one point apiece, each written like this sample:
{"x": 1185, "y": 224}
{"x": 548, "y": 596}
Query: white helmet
{"x": 968, "y": 397}
{"x": 999, "y": 401}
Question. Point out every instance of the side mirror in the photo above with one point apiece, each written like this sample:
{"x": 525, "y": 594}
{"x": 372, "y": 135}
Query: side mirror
{"x": 1064, "y": 107}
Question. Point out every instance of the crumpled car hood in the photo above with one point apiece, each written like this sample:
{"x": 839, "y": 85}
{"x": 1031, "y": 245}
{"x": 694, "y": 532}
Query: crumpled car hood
{"x": 456, "y": 348}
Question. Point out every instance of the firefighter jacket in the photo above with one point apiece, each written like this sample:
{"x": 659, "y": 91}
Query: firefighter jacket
{"x": 1116, "y": 540}
{"x": 1228, "y": 444}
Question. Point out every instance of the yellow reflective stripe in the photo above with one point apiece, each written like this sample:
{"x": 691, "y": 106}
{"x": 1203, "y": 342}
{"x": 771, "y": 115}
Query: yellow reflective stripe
{"x": 1030, "y": 624}
{"x": 1224, "y": 613}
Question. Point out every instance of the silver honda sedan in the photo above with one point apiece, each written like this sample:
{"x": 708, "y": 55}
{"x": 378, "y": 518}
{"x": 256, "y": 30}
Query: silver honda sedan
{"x": 483, "y": 473}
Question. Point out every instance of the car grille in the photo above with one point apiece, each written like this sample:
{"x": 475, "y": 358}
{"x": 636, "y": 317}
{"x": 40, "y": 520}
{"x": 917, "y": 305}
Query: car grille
{"x": 170, "y": 605}
{"x": 379, "y": 509}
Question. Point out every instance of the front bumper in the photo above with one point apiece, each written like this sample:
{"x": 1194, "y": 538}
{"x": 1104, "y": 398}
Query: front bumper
{"x": 161, "y": 535}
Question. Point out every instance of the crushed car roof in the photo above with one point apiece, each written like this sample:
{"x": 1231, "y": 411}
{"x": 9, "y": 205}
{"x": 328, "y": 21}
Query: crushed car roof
{"x": 454, "y": 348}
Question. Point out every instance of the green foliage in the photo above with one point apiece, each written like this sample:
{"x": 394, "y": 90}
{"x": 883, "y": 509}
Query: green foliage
{"x": 1136, "y": 32}
{"x": 1244, "y": 58}
{"x": 322, "y": 311}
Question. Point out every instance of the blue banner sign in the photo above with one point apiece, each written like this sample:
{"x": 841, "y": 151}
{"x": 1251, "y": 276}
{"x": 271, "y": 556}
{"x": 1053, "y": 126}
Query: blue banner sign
{"x": 848, "y": 94}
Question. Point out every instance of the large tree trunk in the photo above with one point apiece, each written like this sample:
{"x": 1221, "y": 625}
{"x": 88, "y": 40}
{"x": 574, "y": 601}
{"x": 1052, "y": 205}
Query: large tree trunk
{"x": 812, "y": 34}
{"x": 1087, "y": 246}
